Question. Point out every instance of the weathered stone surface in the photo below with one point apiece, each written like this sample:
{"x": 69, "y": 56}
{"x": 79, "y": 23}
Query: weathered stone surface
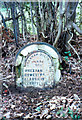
{"x": 49, "y": 50}
{"x": 19, "y": 60}
{"x": 39, "y": 65}
{"x": 57, "y": 75}
{"x": 29, "y": 49}
{"x": 38, "y": 68}
{"x": 19, "y": 81}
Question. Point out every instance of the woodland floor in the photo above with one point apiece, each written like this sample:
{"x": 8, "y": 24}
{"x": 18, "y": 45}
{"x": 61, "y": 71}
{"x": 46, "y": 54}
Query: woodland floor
{"x": 35, "y": 103}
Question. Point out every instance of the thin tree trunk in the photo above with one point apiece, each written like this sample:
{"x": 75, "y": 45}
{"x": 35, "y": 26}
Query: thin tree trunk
{"x": 37, "y": 21}
{"x": 23, "y": 17}
{"x": 19, "y": 7}
{"x": 14, "y": 22}
{"x": 77, "y": 28}
{"x": 70, "y": 18}
{"x": 3, "y": 20}
{"x": 17, "y": 22}
{"x": 59, "y": 27}
{"x": 32, "y": 18}
{"x": 1, "y": 74}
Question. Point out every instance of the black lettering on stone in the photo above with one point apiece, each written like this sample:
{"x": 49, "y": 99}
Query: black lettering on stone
{"x": 30, "y": 74}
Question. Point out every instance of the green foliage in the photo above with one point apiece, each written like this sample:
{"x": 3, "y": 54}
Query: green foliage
{"x": 29, "y": 28}
{"x": 61, "y": 112}
{"x": 60, "y": 67}
{"x": 68, "y": 54}
{"x": 4, "y": 118}
{"x": 38, "y": 109}
{"x": 73, "y": 115}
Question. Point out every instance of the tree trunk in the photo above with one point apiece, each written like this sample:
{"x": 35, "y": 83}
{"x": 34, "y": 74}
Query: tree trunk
{"x": 32, "y": 18}
{"x": 38, "y": 26}
{"x": 70, "y": 18}
{"x": 17, "y": 23}
{"x": 1, "y": 74}
{"x": 3, "y": 20}
{"x": 23, "y": 20}
{"x": 14, "y": 22}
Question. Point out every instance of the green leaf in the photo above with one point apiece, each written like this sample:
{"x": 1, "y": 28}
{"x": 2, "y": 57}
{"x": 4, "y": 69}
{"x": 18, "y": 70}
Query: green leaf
{"x": 61, "y": 108}
{"x": 3, "y": 118}
{"x": 75, "y": 116}
{"x": 38, "y": 109}
{"x": 78, "y": 116}
{"x": 65, "y": 52}
{"x": 61, "y": 68}
{"x": 58, "y": 112}
{"x": 63, "y": 115}
{"x": 66, "y": 56}
{"x": 70, "y": 111}
{"x": 68, "y": 51}
{"x": 71, "y": 116}
{"x": 69, "y": 54}
{"x": 81, "y": 77}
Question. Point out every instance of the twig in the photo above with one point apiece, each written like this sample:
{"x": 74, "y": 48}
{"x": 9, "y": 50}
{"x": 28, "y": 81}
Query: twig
{"x": 77, "y": 28}
{"x": 57, "y": 5}
{"x": 44, "y": 35}
{"x": 8, "y": 19}
{"x": 72, "y": 46}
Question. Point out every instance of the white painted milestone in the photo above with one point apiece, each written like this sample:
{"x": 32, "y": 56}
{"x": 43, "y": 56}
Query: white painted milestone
{"x": 38, "y": 70}
{"x": 38, "y": 64}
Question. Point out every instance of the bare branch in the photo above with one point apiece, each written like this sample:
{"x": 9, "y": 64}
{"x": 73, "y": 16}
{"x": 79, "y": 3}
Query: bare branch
{"x": 72, "y": 46}
{"x": 65, "y": 8}
{"x": 75, "y": 6}
{"x": 44, "y": 35}
{"x": 31, "y": 17}
{"x": 77, "y": 28}
{"x": 57, "y": 6}
{"x": 7, "y": 19}
{"x": 3, "y": 20}
{"x": 59, "y": 27}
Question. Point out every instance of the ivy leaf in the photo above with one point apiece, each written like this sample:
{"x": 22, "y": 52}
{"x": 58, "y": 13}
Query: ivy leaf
{"x": 71, "y": 116}
{"x": 81, "y": 77}
{"x": 61, "y": 108}
{"x": 69, "y": 54}
{"x": 3, "y": 118}
{"x": 61, "y": 68}
{"x": 78, "y": 117}
{"x": 66, "y": 58}
{"x": 75, "y": 116}
{"x": 63, "y": 115}
{"x": 65, "y": 52}
{"x": 38, "y": 109}
{"x": 68, "y": 51}
{"x": 59, "y": 111}
{"x": 70, "y": 111}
